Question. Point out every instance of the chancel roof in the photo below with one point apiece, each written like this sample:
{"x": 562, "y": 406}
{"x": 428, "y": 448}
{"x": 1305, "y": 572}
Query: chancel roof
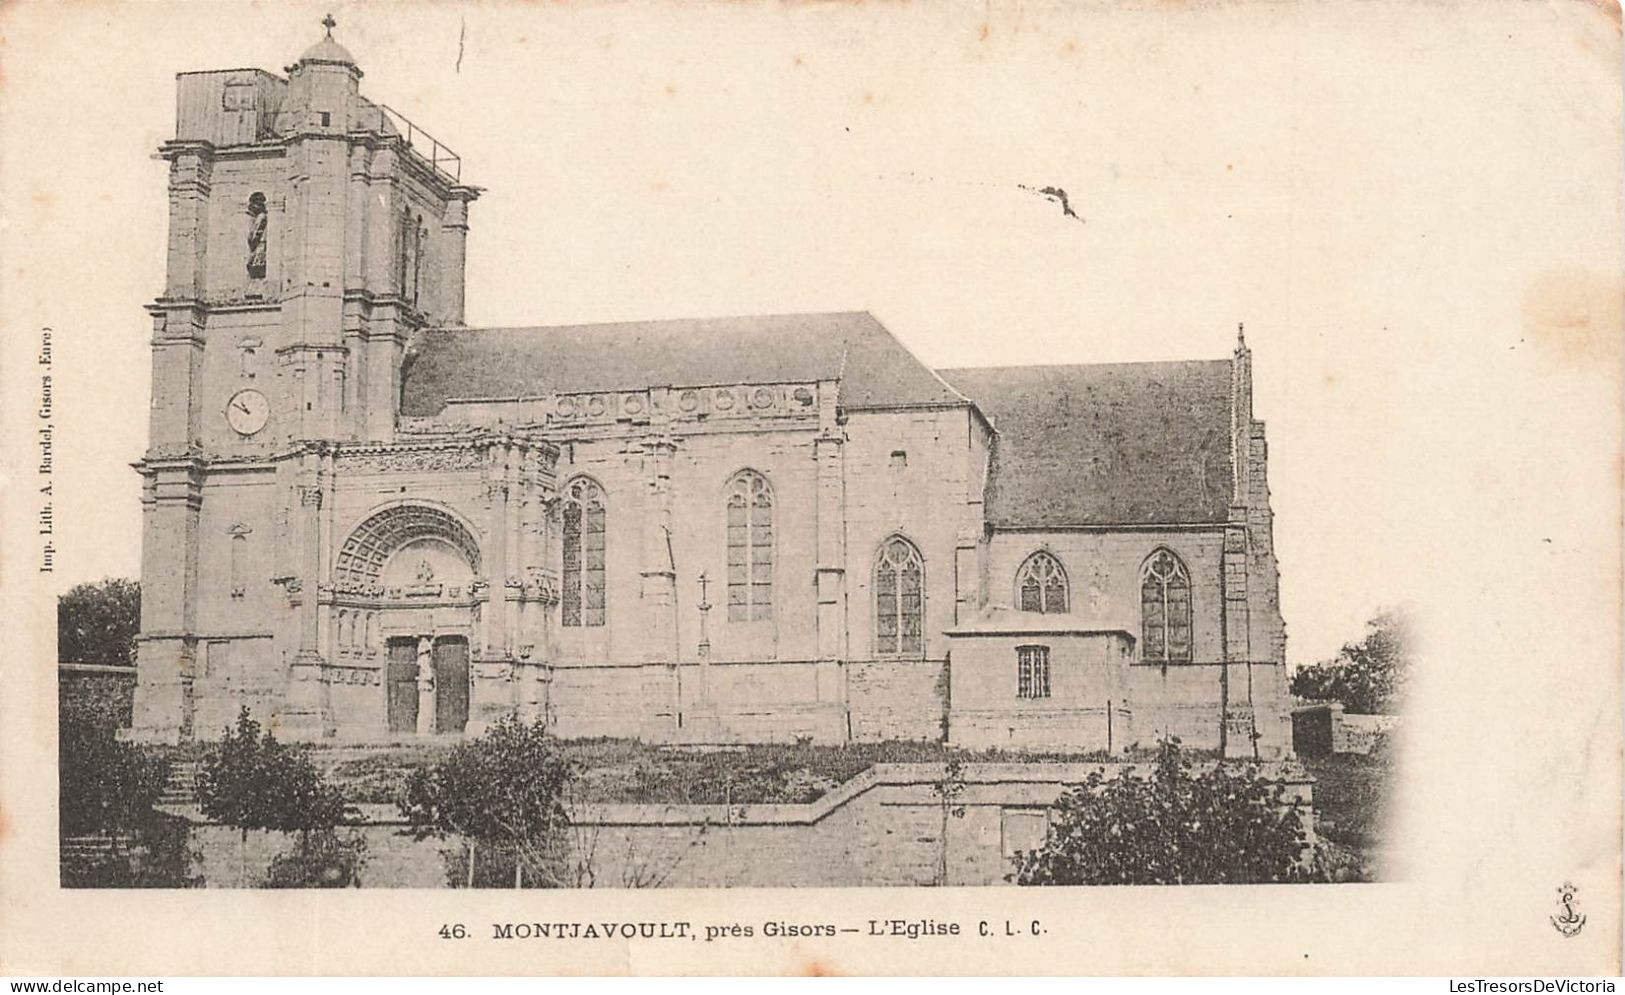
{"x": 1106, "y": 444}
{"x": 875, "y": 369}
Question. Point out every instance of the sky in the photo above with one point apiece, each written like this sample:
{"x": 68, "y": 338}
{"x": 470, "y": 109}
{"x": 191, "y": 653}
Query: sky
{"x": 1412, "y": 213}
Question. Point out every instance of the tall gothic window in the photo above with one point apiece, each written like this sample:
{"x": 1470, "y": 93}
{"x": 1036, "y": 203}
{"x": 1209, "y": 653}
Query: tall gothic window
{"x": 582, "y": 599}
{"x": 1165, "y": 609}
{"x": 750, "y": 547}
{"x": 1041, "y": 584}
{"x": 899, "y": 599}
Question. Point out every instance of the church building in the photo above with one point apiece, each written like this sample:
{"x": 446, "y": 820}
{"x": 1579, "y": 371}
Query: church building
{"x": 369, "y": 522}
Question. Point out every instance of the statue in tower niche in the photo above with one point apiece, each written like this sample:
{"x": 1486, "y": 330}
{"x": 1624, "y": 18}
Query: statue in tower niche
{"x": 257, "y": 220}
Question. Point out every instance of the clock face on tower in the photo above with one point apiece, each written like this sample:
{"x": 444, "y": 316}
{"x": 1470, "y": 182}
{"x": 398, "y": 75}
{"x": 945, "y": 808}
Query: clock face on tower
{"x": 247, "y": 411}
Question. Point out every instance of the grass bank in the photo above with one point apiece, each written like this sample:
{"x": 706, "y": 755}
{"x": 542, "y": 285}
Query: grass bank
{"x": 622, "y": 770}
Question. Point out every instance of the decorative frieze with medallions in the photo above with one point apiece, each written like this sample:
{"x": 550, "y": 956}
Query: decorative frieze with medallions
{"x": 775, "y": 400}
{"x": 412, "y": 460}
{"x": 746, "y": 401}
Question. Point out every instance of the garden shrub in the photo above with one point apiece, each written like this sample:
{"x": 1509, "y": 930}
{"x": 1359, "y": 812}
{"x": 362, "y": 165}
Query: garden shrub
{"x": 1223, "y": 825}
{"x": 320, "y": 859}
{"x": 251, "y": 781}
{"x": 104, "y": 786}
{"x": 503, "y": 792}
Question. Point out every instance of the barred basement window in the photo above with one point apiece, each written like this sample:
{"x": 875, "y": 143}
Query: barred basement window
{"x": 1041, "y": 584}
{"x": 582, "y": 599}
{"x": 750, "y": 547}
{"x": 1165, "y": 609}
{"x": 899, "y": 599}
{"x": 1032, "y": 671}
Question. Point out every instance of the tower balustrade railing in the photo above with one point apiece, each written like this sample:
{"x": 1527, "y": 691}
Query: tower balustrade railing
{"x": 422, "y": 144}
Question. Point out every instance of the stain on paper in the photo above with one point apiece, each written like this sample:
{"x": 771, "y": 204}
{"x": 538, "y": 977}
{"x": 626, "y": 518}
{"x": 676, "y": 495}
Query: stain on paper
{"x": 1576, "y": 317}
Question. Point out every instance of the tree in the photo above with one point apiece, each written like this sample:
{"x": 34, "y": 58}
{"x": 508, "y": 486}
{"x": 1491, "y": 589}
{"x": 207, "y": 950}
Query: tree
{"x": 98, "y": 623}
{"x": 107, "y": 788}
{"x": 104, "y": 786}
{"x": 1225, "y": 825}
{"x": 1368, "y": 676}
{"x": 252, "y": 781}
{"x": 504, "y": 791}
{"x": 950, "y": 791}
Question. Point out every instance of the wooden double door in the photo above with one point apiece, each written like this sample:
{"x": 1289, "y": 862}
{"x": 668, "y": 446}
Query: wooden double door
{"x": 449, "y": 658}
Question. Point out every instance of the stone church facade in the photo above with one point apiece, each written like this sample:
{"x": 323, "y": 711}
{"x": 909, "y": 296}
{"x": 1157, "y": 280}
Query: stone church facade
{"x": 367, "y": 521}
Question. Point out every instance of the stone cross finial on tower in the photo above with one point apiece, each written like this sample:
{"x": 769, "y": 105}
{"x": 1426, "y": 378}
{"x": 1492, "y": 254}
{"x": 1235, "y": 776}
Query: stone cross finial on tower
{"x": 326, "y": 51}
{"x": 1241, "y": 335}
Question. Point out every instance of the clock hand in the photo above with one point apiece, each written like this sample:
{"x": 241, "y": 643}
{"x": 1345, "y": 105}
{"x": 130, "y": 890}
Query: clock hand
{"x": 241, "y": 407}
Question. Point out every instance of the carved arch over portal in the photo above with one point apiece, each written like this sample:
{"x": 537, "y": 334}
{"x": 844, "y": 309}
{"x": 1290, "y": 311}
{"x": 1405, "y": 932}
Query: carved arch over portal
{"x": 362, "y": 557}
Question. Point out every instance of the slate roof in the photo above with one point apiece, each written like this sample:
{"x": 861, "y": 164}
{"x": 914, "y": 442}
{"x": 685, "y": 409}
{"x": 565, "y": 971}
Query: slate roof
{"x": 876, "y": 370}
{"x": 1108, "y": 444}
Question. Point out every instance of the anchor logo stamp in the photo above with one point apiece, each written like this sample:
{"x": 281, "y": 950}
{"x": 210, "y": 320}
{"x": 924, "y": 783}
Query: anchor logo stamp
{"x": 1570, "y": 922}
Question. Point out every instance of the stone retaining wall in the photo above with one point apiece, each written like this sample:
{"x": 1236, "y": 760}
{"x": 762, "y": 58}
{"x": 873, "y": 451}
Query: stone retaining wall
{"x": 100, "y": 694}
{"x": 888, "y": 827}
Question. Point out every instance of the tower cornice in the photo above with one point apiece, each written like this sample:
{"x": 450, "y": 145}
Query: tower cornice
{"x": 173, "y": 148}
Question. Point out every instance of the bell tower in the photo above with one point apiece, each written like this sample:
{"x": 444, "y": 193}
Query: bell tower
{"x": 376, "y": 221}
{"x": 312, "y": 231}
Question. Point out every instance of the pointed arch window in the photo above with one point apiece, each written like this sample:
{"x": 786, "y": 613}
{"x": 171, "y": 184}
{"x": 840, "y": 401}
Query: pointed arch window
{"x": 1041, "y": 584}
{"x": 899, "y": 599}
{"x": 582, "y": 600}
{"x": 750, "y": 547}
{"x": 1165, "y": 609}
